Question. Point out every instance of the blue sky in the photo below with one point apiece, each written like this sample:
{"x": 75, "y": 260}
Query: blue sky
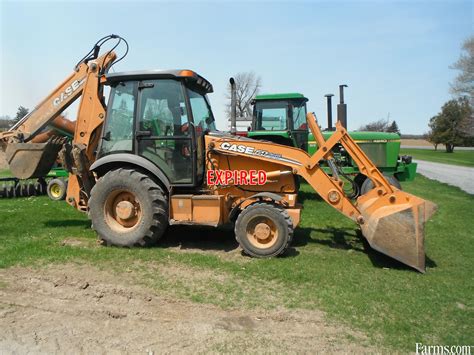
{"x": 395, "y": 56}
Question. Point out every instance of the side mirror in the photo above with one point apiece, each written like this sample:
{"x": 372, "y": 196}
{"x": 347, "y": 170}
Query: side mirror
{"x": 107, "y": 136}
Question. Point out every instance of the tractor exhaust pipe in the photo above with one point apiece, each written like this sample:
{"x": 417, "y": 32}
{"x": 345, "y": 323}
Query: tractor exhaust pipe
{"x": 329, "y": 105}
{"x": 233, "y": 108}
{"x": 342, "y": 107}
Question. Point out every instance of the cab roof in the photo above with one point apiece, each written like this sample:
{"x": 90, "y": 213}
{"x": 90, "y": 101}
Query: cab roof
{"x": 186, "y": 74}
{"x": 282, "y": 96}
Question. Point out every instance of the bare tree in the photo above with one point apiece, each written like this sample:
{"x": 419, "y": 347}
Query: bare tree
{"x": 463, "y": 85}
{"x": 381, "y": 125}
{"x": 247, "y": 85}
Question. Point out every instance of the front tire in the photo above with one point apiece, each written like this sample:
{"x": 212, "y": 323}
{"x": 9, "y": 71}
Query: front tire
{"x": 128, "y": 208}
{"x": 369, "y": 185}
{"x": 264, "y": 230}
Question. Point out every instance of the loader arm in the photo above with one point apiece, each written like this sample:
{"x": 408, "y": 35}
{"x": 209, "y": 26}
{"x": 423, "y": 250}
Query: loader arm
{"x": 391, "y": 220}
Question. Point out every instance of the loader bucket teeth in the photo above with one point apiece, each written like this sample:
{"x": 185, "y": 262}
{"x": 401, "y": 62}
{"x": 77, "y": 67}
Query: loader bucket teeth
{"x": 394, "y": 225}
{"x": 30, "y": 160}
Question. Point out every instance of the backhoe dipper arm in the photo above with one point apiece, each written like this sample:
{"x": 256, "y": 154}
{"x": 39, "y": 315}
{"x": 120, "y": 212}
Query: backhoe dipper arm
{"x": 56, "y": 102}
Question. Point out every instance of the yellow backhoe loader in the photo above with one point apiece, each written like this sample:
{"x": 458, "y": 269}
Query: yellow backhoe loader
{"x": 152, "y": 157}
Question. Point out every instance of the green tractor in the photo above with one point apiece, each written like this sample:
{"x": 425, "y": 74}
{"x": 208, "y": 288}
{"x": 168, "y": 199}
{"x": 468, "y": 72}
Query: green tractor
{"x": 281, "y": 118}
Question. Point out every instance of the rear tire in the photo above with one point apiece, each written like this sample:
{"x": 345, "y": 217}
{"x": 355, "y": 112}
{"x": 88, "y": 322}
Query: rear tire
{"x": 264, "y": 230}
{"x": 128, "y": 208}
{"x": 369, "y": 185}
{"x": 57, "y": 189}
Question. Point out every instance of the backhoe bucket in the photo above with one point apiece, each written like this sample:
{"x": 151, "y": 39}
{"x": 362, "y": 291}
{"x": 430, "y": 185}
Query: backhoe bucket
{"x": 33, "y": 160}
{"x": 394, "y": 225}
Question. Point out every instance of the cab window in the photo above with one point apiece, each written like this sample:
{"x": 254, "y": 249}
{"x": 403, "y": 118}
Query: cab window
{"x": 272, "y": 116}
{"x": 202, "y": 114}
{"x": 163, "y": 109}
{"x": 118, "y": 127}
{"x": 299, "y": 117}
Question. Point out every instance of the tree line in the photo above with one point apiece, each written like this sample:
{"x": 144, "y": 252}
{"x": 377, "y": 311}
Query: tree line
{"x": 454, "y": 124}
{"x": 6, "y": 121}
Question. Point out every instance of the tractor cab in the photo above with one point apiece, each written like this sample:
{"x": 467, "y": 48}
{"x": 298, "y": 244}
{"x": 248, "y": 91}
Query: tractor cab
{"x": 161, "y": 117}
{"x": 280, "y": 118}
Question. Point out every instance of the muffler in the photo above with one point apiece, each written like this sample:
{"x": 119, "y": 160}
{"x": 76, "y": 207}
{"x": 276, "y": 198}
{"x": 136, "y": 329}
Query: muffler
{"x": 393, "y": 224}
{"x": 33, "y": 160}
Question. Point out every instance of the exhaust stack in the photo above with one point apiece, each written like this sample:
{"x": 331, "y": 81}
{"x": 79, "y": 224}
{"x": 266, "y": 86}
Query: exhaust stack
{"x": 342, "y": 107}
{"x": 233, "y": 108}
{"x": 329, "y": 105}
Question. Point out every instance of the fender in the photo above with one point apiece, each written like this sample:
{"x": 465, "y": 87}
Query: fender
{"x": 272, "y": 196}
{"x": 120, "y": 159}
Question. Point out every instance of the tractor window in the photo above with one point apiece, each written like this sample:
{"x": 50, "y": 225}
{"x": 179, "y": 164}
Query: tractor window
{"x": 202, "y": 114}
{"x": 299, "y": 117}
{"x": 118, "y": 129}
{"x": 271, "y": 116}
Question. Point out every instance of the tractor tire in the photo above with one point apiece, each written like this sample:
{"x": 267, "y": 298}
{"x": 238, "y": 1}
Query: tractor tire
{"x": 128, "y": 208}
{"x": 369, "y": 185}
{"x": 57, "y": 189}
{"x": 264, "y": 230}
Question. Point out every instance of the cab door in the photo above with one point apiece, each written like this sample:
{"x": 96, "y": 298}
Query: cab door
{"x": 163, "y": 133}
{"x": 299, "y": 126}
{"x": 203, "y": 122}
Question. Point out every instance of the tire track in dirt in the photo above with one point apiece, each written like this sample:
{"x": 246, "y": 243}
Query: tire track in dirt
{"x": 70, "y": 308}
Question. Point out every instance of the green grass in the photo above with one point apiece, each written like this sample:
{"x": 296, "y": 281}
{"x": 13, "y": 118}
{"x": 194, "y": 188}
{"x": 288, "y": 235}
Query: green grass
{"x": 329, "y": 267}
{"x": 5, "y": 173}
{"x": 458, "y": 157}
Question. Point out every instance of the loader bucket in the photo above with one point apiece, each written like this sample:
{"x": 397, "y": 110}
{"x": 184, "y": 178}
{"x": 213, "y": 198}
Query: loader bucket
{"x": 393, "y": 224}
{"x": 33, "y": 160}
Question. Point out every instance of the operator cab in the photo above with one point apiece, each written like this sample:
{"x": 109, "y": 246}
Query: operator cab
{"x": 161, "y": 116}
{"x": 280, "y": 118}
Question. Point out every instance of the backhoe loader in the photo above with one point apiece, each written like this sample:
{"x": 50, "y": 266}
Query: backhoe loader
{"x": 152, "y": 157}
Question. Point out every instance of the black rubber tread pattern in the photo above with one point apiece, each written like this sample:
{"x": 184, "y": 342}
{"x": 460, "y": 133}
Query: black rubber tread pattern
{"x": 63, "y": 186}
{"x": 153, "y": 202}
{"x": 284, "y": 220}
{"x": 369, "y": 185}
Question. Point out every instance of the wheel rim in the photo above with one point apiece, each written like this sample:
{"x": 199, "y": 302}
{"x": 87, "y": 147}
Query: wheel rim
{"x": 55, "y": 190}
{"x": 122, "y": 210}
{"x": 262, "y": 232}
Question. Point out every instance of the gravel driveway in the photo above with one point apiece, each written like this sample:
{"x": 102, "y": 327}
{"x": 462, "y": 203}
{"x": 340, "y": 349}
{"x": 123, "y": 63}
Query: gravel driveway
{"x": 430, "y": 147}
{"x": 460, "y": 176}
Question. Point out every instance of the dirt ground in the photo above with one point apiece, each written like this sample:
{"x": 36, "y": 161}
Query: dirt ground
{"x": 79, "y": 309}
{"x": 415, "y": 143}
